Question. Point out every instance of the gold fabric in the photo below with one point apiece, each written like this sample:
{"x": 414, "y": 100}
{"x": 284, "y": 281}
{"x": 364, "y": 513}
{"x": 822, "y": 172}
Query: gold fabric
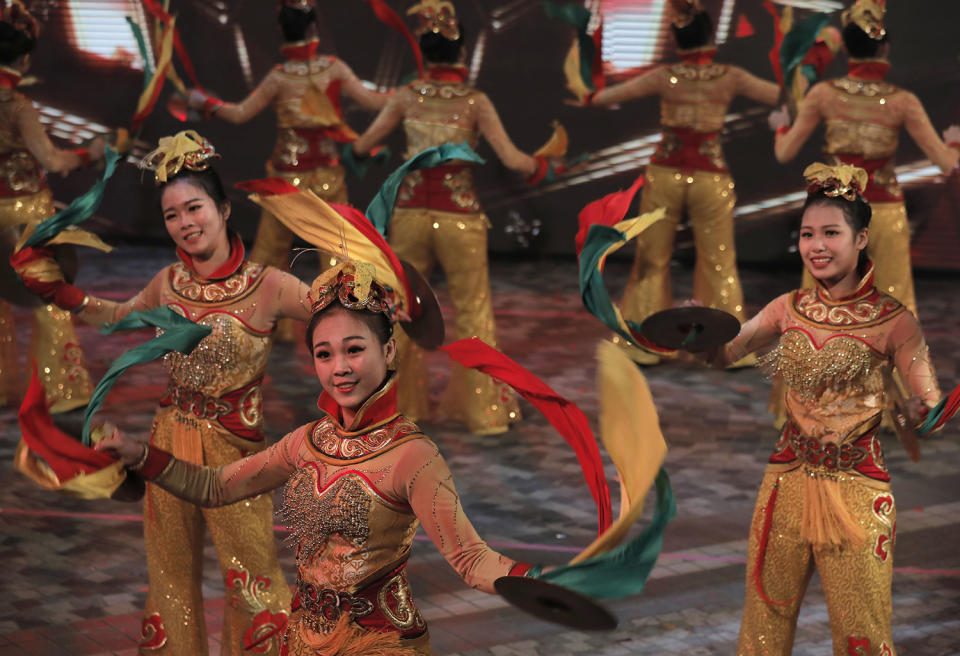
{"x": 60, "y": 363}
{"x": 856, "y": 580}
{"x": 871, "y": 140}
{"x": 9, "y": 369}
{"x": 174, "y": 537}
{"x": 708, "y": 199}
{"x": 458, "y": 242}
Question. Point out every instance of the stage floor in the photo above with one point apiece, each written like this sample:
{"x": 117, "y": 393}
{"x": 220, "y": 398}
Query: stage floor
{"x": 74, "y": 572}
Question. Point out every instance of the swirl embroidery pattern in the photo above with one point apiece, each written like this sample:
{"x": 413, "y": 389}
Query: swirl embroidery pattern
{"x": 183, "y": 284}
{"x": 327, "y": 438}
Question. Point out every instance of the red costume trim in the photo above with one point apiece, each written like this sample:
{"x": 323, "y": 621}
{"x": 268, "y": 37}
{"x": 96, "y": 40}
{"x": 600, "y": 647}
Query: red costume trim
{"x": 683, "y": 148}
{"x": 157, "y": 461}
{"x": 226, "y": 269}
{"x": 538, "y": 176}
{"x": 379, "y": 408}
{"x": 698, "y": 56}
{"x": 300, "y": 51}
{"x": 520, "y": 569}
{"x": 868, "y": 69}
{"x": 447, "y": 73}
{"x": 9, "y": 78}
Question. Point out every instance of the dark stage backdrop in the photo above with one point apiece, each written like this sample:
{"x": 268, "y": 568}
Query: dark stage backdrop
{"x": 89, "y": 75}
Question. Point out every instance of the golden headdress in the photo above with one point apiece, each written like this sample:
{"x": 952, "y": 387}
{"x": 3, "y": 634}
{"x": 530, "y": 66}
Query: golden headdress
{"x": 437, "y": 16}
{"x": 21, "y": 19}
{"x": 868, "y": 16}
{"x": 843, "y": 181}
{"x": 354, "y": 284}
{"x": 185, "y": 149}
{"x": 684, "y": 11}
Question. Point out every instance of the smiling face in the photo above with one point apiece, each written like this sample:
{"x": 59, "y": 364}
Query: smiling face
{"x": 349, "y": 359}
{"x": 828, "y": 245}
{"x": 193, "y": 219}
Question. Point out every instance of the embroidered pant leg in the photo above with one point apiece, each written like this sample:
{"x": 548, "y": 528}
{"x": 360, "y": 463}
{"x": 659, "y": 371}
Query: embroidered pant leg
{"x": 648, "y": 288}
{"x": 856, "y": 581}
{"x": 769, "y": 629}
{"x": 247, "y": 550}
{"x": 484, "y": 405}
{"x": 412, "y": 239}
{"x": 9, "y": 368}
{"x": 60, "y": 362}
{"x": 716, "y": 282}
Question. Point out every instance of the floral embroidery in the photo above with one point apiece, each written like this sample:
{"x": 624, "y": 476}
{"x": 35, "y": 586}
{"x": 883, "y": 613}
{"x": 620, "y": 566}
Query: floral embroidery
{"x": 152, "y": 633}
{"x": 241, "y": 283}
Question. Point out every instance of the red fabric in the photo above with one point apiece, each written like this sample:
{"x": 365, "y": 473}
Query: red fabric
{"x": 599, "y": 81}
{"x": 157, "y": 11}
{"x": 9, "y": 79}
{"x": 300, "y": 51}
{"x": 241, "y": 402}
{"x": 950, "y": 409}
{"x": 868, "y": 70}
{"x": 157, "y": 461}
{"x": 267, "y": 186}
{"x": 390, "y": 18}
{"x": 226, "y": 269}
{"x": 520, "y": 569}
{"x": 563, "y": 415}
{"x": 65, "y": 455}
{"x": 777, "y": 41}
{"x": 379, "y": 411}
{"x": 447, "y": 73}
{"x": 142, "y": 115}
{"x": 434, "y": 192}
{"x": 698, "y": 56}
{"x": 84, "y": 155}
{"x": 210, "y": 106}
{"x": 874, "y": 193}
{"x": 820, "y": 56}
{"x": 543, "y": 167}
{"x": 60, "y": 293}
{"x": 607, "y": 211}
{"x": 318, "y": 153}
{"x": 744, "y": 28}
{"x": 688, "y": 155}
{"x": 783, "y": 129}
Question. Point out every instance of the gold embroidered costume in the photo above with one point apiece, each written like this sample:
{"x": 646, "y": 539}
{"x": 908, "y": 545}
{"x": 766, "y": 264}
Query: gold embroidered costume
{"x": 825, "y": 500}
{"x": 688, "y": 173}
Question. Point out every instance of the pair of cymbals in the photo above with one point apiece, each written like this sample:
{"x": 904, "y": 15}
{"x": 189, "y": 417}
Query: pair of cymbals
{"x": 692, "y": 328}
{"x": 555, "y": 603}
{"x": 11, "y": 289}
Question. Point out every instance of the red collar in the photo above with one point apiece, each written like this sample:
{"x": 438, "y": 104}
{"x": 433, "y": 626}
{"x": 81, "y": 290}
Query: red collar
{"x": 698, "y": 56}
{"x": 447, "y": 73}
{"x": 301, "y": 50}
{"x": 228, "y": 268}
{"x": 9, "y": 78}
{"x": 380, "y": 407}
{"x": 868, "y": 69}
{"x": 864, "y": 288}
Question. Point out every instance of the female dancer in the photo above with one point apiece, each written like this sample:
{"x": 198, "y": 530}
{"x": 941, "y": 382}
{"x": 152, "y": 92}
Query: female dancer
{"x": 25, "y": 152}
{"x": 358, "y": 482}
{"x": 863, "y": 116}
{"x": 825, "y": 500}
{"x": 211, "y": 411}
{"x": 305, "y": 92}
{"x": 438, "y": 217}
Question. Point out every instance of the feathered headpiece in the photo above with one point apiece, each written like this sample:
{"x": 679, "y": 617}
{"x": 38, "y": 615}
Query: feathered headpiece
{"x": 438, "y": 16}
{"x": 684, "y": 11}
{"x": 354, "y": 284}
{"x": 185, "y": 149}
{"x": 868, "y": 16}
{"x": 21, "y": 19}
{"x": 843, "y": 181}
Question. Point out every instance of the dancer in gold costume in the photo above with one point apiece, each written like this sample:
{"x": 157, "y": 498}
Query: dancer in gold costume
{"x": 688, "y": 171}
{"x": 358, "y": 483}
{"x": 863, "y": 115}
{"x": 825, "y": 500}
{"x": 439, "y": 219}
{"x": 305, "y": 91}
{"x": 25, "y": 153}
{"x": 211, "y": 411}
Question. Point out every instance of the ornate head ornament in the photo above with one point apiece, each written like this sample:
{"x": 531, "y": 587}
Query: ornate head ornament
{"x": 185, "y": 149}
{"x": 354, "y": 285}
{"x": 843, "y": 181}
{"x": 21, "y": 19}
{"x": 438, "y": 16}
{"x": 684, "y": 11}
{"x": 868, "y": 16}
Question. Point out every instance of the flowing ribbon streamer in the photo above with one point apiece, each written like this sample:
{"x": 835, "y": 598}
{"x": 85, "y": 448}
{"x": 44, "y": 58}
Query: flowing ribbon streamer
{"x": 180, "y": 334}
{"x": 390, "y": 18}
{"x": 583, "y": 66}
{"x": 608, "y": 211}
{"x": 380, "y": 209}
{"x": 142, "y": 48}
{"x": 164, "y": 16}
{"x": 151, "y": 92}
{"x": 941, "y": 413}
{"x": 81, "y": 209}
{"x": 563, "y": 415}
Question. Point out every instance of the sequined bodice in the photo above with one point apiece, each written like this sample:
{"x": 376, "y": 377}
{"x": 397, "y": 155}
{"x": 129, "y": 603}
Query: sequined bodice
{"x": 443, "y": 113}
{"x": 696, "y": 97}
{"x": 11, "y": 103}
{"x": 303, "y": 101}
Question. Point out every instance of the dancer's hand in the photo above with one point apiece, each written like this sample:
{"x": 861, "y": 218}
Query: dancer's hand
{"x": 128, "y": 450}
{"x": 952, "y": 135}
{"x": 97, "y": 148}
{"x": 779, "y": 118}
{"x": 196, "y": 98}
{"x": 917, "y": 410}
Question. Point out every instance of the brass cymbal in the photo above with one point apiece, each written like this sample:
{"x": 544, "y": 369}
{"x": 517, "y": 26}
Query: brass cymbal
{"x": 555, "y": 603}
{"x": 426, "y": 328}
{"x": 692, "y": 328}
{"x": 11, "y": 289}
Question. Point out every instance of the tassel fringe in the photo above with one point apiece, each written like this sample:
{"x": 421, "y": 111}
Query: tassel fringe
{"x": 826, "y": 522}
{"x": 348, "y": 639}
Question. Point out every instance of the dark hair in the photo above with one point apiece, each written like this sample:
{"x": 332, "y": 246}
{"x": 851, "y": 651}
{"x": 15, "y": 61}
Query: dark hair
{"x": 295, "y": 22}
{"x": 696, "y": 34}
{"x": 438, "y": 49}
{"x": 859, "y": 44}
{"x": 14, "y": 43}
{"x": 857, "y": 213}
{"x": 208, "y": 180}
{"x": 378, "y": 323}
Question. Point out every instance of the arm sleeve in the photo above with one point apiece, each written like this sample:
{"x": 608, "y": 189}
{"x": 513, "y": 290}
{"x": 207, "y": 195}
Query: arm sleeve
{"x": 208, "y": 487}
{"x": 353, "y": 87}
{"x": 293, "y": 297}
{"x": 918, "y": 124}
{"x": 787, "y": 145}
{"x": 646, "y": 84}
{"x": 428, "y": 488}
{"x": 253, "y": 104}
{"x": 100, "y": 311}
{"x": 490, "y": 126}
{"x": 35, "y": 138}
{"x": 911, "y": 356}
{"x": 388, "y": 118}
{"x": 757, "y": 333}
{"x": 755, "y": 88}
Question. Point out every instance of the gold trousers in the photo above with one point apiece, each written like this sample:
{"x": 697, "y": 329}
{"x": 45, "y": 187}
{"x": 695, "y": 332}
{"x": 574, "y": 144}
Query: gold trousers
{"x": 856, "y": 580}
{"x": 889, "y": 250}
{"x": 242, "y": 533}
{"x": 708, "y": 199}
{"x": 458, "y": 242}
